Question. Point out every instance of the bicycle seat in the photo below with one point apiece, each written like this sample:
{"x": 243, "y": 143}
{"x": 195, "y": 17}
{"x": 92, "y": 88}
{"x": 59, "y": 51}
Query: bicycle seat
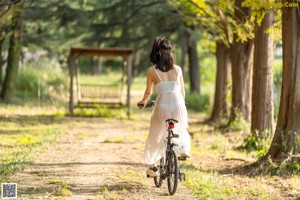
{"x": 172, "y": 120}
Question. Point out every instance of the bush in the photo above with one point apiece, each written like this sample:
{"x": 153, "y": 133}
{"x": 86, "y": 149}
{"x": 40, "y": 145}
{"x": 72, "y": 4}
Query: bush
{"x": 197, "y": 102}
{"x": 41, "y": 83}
{"x": 259, "y": 142}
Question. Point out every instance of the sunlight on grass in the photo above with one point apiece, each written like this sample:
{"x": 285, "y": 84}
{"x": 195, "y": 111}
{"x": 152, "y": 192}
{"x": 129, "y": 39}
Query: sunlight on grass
{"x": 114, "y": 140}
{"x": 131, "y": 176}
{"x": 211, "y": 185}
{"x": 22, "y": 140}
{"x": 63, "y": 188}
{"x": 33, "y": 109}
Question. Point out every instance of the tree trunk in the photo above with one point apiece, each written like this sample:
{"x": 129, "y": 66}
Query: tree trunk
{"x": 241, "y": 63}
{"x": 1, "y": 62}
{"x": 194, "y": 66}
{"x": 183, "y": 47}
{"x": 286, "y": 140}
{"x": 262, "y": 118}
{"x": 223, "y": 62}
{"x": 13, "y": 55}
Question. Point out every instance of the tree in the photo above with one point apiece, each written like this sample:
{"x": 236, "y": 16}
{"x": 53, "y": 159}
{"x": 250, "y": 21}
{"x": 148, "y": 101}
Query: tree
{"x": 223, "y": 49}
{"x": 220, "y": 106}
{"x": 241, "y": 63}
{"x": 13, "y": 54}
{"x": 286, "y": 141}
{"x": 193, "y": 13}
{"x": 6, "y": 13}
{"x": 194, "y": 65}
{"x": 262, "y": 114}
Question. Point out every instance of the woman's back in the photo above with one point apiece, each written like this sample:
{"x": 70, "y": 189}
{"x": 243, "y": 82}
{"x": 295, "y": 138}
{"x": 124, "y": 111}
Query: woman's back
{"x": 171, "y": 75}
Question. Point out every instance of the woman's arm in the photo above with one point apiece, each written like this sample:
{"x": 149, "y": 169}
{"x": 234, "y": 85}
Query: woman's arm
{"x": 149, "y": 87}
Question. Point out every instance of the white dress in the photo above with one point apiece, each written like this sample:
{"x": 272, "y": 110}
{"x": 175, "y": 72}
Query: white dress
{"x": 169, "y": 103}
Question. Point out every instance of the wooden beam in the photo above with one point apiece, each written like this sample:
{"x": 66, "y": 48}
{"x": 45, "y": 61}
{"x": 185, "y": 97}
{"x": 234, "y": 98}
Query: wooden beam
{"x": 87, "y": 51}
{"x": 71, "y": 70}
{"x": 129, "y": 75}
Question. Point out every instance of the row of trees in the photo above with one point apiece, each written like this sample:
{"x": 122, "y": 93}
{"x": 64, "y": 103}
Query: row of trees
{"x": 248, "y": 36}
{"x": 244, "y": 39}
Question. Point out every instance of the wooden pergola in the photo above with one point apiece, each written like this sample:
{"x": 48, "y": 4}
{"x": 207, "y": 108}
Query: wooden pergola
{"x": 125, "y": 53}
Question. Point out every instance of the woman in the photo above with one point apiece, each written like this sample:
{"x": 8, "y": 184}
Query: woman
{"x": 168, "y": 83}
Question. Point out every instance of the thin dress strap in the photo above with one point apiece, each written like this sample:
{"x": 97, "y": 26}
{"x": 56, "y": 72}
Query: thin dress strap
{"x": 157, "y": 74}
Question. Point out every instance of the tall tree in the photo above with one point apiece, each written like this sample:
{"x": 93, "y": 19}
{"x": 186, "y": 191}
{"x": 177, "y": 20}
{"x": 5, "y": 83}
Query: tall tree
{"x": 286, "y": 140}
{"x": 262, "y": 114}
{"x": 220, "y": 106}
{"x": 241, "y": 64}
{"x": 194, "y": 66}
{"x": 13, "y": 54}
{"x": 6, "y": 13}
{"x": 223, "y": 48}
{"x": 193, "y": 12}
{"x": 1, "y": 60}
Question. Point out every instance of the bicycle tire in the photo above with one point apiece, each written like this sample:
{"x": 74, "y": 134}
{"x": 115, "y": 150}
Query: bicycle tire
{"x": 158, "y": 180}
{"x": 172, "y": 162}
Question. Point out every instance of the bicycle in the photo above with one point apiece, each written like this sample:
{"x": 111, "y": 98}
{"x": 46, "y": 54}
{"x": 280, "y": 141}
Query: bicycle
{"x": 168, "y": 165}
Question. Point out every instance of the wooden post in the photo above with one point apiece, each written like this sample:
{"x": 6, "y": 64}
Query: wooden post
{"x": 129, "y": 71}
{"x": 71, "y": 70}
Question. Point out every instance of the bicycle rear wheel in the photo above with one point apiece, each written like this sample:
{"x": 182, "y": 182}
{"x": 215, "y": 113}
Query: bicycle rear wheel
{"x": 172, "y": 162}
{"x": 158, "y": 180}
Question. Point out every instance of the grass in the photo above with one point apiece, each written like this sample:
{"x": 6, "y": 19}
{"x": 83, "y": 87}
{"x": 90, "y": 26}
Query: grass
{"x": 22, "y": 139}
{"x": 101, "y": 111}
{"x": 114, "y": 140}
{"x": 215, "y": 186}
{"x": 211, "y": 173}
{"x": 62, "y": 188}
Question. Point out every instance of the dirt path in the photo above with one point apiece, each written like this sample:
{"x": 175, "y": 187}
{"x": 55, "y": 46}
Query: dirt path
{"x": 95, "y": 159}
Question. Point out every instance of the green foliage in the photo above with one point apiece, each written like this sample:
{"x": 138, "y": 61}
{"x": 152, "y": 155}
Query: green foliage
{"x": 277, "y": 79}
{"x": 194, "y": 101}
{"x": 293, "y": 167}
{"x": 101, "y": 111}
{"x": 239, "y": 124}
{"x": 197, "y": 102}
{"x": 271, "y": 167}
{"x": 259, "y": 142}
{"x": 193, "y": 11}
{"x": 209, "y": 185}
{"x": 42, "y": 83}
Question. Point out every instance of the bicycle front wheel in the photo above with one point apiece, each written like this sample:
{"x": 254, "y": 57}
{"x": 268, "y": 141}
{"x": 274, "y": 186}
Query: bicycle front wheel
{"x": 173, "y": 169}
{"x": 158, "y": 180}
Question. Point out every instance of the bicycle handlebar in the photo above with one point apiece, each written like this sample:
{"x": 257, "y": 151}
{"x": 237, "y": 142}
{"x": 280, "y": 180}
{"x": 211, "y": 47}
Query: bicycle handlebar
{"x": 149, "y": 104}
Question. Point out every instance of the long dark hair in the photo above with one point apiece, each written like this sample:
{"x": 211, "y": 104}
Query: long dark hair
{"x": 161, "y": 54}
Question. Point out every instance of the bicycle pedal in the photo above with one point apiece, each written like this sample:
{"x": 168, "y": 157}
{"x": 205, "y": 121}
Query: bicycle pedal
{"x": 148, "y": 176}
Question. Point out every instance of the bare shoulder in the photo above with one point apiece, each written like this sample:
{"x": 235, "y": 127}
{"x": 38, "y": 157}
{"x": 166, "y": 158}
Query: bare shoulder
{"x": 150, "y": 71}
{"x": 177, "y": 67}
